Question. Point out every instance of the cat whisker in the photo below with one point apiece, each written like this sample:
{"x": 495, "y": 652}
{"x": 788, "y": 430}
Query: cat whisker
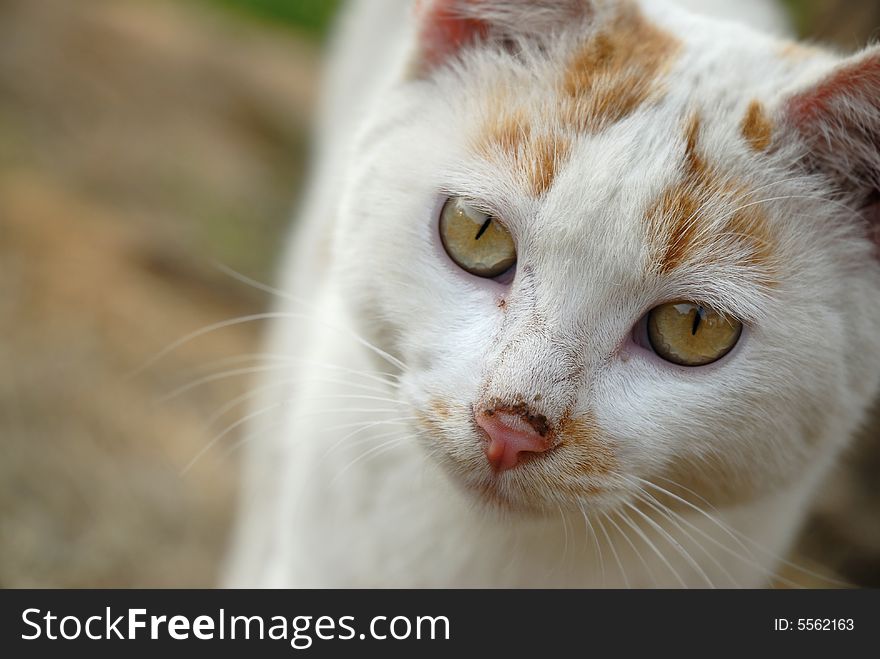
{"x": 375, "y": 388}
{"x": 791, "y": 179}
{"x": 238, "y": 443}
{"x": 253, "y": 283}
{"x": 673, "y": 517}
{"x": 268, "y": 368}
{"x": 389, "y": 379}
{"x": 564, "y": 557}
{"x": 213, "y": 327}
{"x": 251, "y": 437}
{"x": 357, "y": 431}
{"x": 644, "y": 536}
{"x": 252, "y": 358}
{"x": 351, "y": 442}
{"x": 590, "y": 531}
{"x": 826, "y": 200}
{"x": 216, "y": 377}
{"x": 632, "y": 545}
{"x": 248, "y": 395}
{"x": 250, "y": 318}
{"x": 219, "y": 436}
{"x": 256, "y": 391}
{"x": 376, "y": 450}
{"x": 724, "y": 527}
{"x": 735, "y": 536}
{"x": 674, "y": 543}
{"x": 263, "y": 431}
{"x": 265, "y": 410}
{"x": 383, "y": 399}
{"x": 613, "y": 550}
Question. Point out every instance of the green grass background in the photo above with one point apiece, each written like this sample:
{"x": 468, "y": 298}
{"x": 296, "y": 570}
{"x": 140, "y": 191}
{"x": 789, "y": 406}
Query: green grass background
{"x": 310, "y": 16}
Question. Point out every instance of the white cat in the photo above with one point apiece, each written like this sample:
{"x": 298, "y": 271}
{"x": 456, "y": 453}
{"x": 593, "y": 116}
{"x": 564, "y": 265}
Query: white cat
{"x": 585, "y": 293}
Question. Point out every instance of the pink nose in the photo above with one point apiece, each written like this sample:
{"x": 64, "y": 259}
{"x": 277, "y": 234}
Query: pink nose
{"x": 509, "y": 436}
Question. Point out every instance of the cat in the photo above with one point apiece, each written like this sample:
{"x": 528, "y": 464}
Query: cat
{"x": 584, "y": 294}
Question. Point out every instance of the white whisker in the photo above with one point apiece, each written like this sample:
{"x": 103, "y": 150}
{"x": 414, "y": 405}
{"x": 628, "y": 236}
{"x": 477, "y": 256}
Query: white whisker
{"x": 613, "y": 550}
{"x": 380, "y": 448}
{"x": 635, "y": 527}
{"x": 673, "y": 517}
{"x": 266, "y": 288}
{"x": 268, "y": 315}
{"x": 673, "y": 542}
{"x": 733, "y": 533}
{"x": 632, "y": 545}
{"x": 591, "y": 531}
{"x": 265, "y": 410}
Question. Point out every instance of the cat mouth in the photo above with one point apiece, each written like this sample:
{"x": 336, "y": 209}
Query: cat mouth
{"x": 526, "y": 489}
{"x": 492, "y": 494}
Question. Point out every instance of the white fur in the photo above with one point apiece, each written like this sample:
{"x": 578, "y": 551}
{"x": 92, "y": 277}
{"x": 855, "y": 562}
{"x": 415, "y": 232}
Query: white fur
{"x": 328, "y": 502}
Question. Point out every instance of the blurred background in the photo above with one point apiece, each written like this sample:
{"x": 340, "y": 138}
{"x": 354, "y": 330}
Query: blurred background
{"x": 142, "y": 142}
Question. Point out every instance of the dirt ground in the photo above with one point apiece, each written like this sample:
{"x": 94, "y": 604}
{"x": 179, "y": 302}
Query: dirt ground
{"x": 140, "y": 142}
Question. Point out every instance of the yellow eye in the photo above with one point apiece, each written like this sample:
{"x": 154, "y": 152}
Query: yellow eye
{"x": 477, "y": 242}
{"x": 690, "y": 335}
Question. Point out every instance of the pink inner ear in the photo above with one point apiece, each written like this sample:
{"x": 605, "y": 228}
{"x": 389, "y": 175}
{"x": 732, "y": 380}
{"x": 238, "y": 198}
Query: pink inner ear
{"x": 853, "y": 81}
{"x": 445, "y": 32}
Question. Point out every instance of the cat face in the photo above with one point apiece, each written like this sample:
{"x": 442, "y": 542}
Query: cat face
{"x": 675, "y": 283}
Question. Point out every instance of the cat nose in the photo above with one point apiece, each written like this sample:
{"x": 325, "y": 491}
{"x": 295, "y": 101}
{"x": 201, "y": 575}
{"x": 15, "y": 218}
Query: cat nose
{"x": 511, "y": 435}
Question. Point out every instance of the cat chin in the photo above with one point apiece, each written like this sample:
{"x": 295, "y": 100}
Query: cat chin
{"x": 524, "y": 494}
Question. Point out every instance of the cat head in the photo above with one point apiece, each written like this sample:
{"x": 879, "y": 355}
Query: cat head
{"x": 616, "y": 245}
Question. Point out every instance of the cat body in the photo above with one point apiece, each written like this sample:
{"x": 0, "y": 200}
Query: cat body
{"x": 637, "y": 154}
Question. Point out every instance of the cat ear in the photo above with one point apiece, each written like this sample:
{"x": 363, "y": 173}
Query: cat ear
{"x": 446, "y": 27}
{"x": 839, "y": 119}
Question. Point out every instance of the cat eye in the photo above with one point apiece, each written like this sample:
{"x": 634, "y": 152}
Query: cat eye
{"x": 475, "y": 241}
{"x": 688, "y": 334}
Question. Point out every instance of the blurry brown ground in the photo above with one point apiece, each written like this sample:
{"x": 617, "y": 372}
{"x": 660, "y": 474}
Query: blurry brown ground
{"x": 141, "y": 140}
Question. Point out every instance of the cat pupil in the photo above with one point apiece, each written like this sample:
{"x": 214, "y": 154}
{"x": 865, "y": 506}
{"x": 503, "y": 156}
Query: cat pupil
{"x": 483, "y": 228}
{"x": 697, "y": 318}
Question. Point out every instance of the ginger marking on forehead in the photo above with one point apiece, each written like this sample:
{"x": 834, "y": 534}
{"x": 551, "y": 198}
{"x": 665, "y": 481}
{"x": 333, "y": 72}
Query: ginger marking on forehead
{"x": 616, "y": 71}
{"x": 608, "y": 78}
{"x": 756, "y": 127}
{"x": 547, "y": 152}
{"x": 707, "y": 217}
{"x": 675, "y": 215}
{"x": 508, "y": 137}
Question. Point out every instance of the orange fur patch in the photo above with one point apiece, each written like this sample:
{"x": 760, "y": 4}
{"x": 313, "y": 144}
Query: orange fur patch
{"x": 535, "y": 156}
{"x": 616, "y": 71}
{"x": 435, "y": 417}
{"x": 677, "y": 231}
{"x": 440, "y": 408}
{"x": 756, "y": 127}
{"x": 607, "y": 79}
{"x": 590, "y": 454}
